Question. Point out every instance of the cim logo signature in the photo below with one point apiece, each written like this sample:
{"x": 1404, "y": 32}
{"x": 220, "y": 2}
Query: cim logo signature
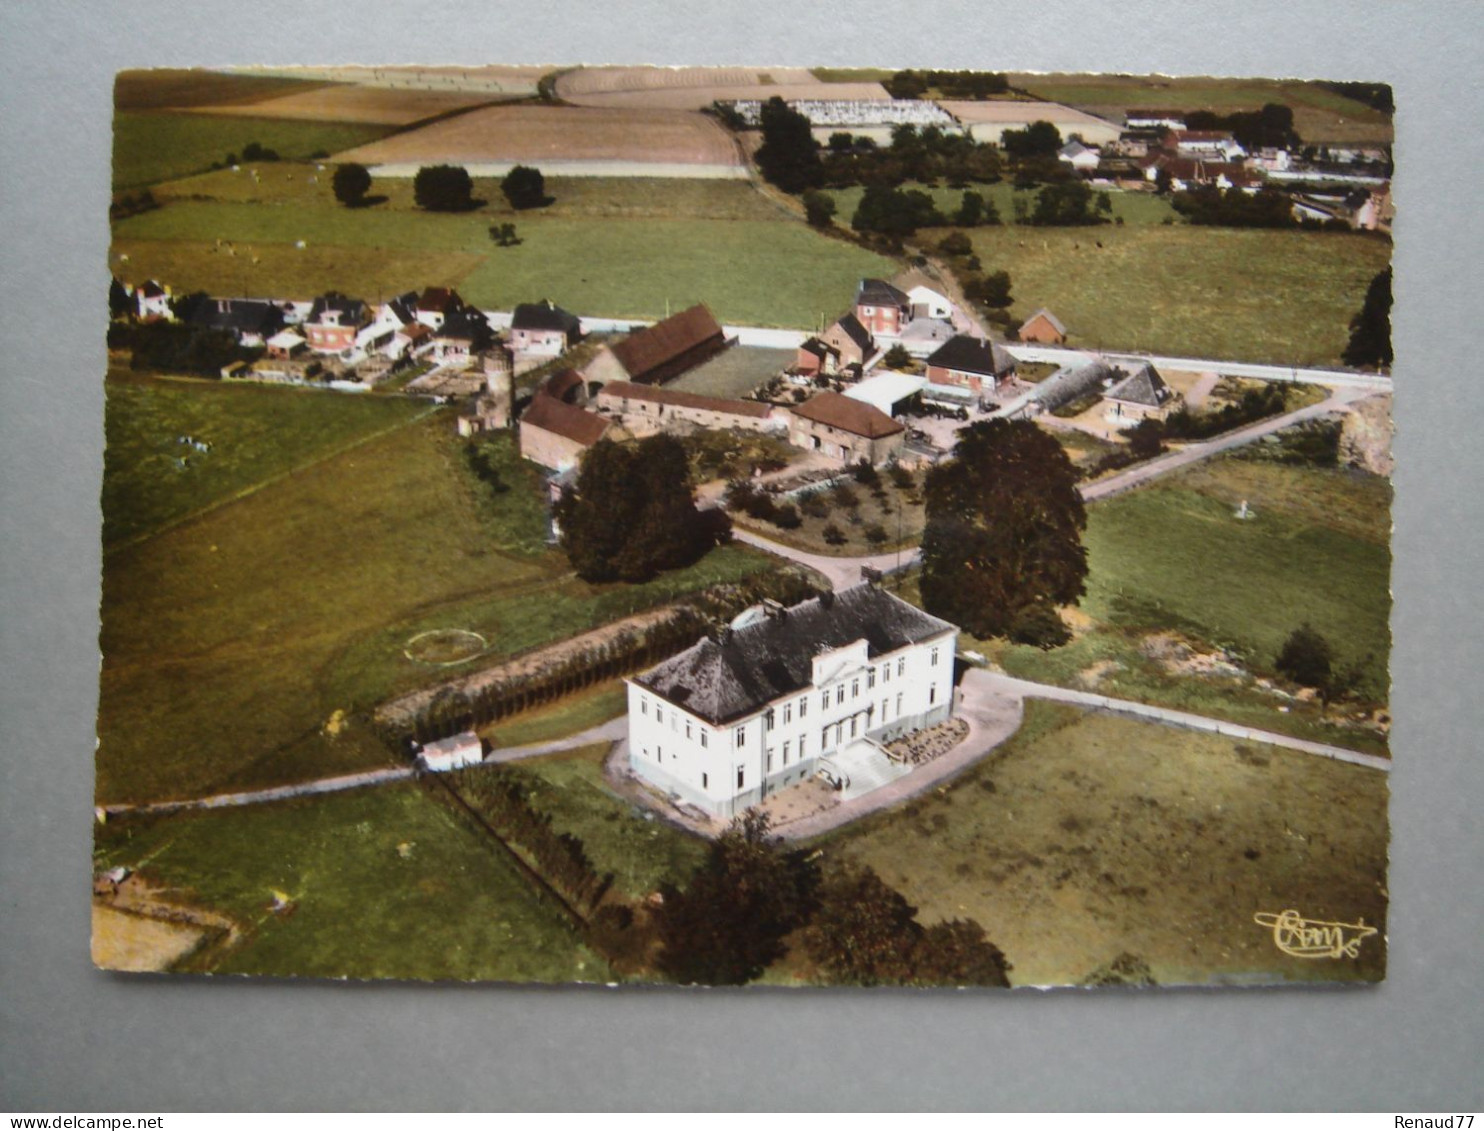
{"x": 1314, "y": 938}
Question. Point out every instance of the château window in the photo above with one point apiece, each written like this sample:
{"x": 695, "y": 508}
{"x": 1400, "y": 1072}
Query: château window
{"x": 741, "y": 735}
{"x": 855, "y": 688}
{"x": 902, "y": 665}
{"x": 704, "y": 742}
{"x": 932, "y": 693}
{"x": 705, "y": 781}
{"x": 644, "y": 706}
{"x": 687, "y": 729}
{"x": 840, "y": 694}
{"x": 935, "y": 657}
{"x": 803, "y": 706}
{"x": 768, "y": 720}
{"x": 788, "y": 713}
{"x": 740, "y": 772}
{"x": 886, "y": 673}
{"x": 786, "y": 747}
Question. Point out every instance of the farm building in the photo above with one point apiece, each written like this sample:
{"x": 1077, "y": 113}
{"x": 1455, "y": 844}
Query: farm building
{"x": 555, "y": 434}
{"x": 1069, "y": 383}
{"x": 816, "y": 687}
{"x": 851, "y": 341}
{"x": 882, "y": 308}
{"x": 1044, "y": 328}
{"x": 660, "y": 352}
{"x": 1082, "y": 158}
{"x": 845, "y": 429}
{"x": 665, "y": 408}
{"x": 1139, "y": 396}
{"x": 452, "y": 753}
{"x": 1189, "y": 172}
{"x": 887, "y": 391}
{"x": 973, "y": 363}
{"x": 567, "y": 386}
{"x": 1218, "y": 145}
{"x": 334, "y": 321}
{"x": 1146, "y": 119}
{"x": 543, "y": 329}
{"x": 925, "y": 298}
{"x": 874, "y": 117}
{"x": 152, "y": 300}
{"x": 989, "y": 121}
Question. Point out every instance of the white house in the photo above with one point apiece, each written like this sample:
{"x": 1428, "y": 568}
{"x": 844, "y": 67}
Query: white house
{"x": 153, "y": 301}
{"x": 796, "y": 691}
{"x": 452, "y": 753}
{"x": 1080, "y": 157}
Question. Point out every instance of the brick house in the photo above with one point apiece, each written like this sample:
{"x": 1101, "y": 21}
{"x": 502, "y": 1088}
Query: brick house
{"x": 970, "y": 363}
{"x": 845, "y": 429}
{"x": 815, "y": 357}
{"x": 658, "y": 353}
{"x": 1043, "y": 327}
{"x": 334, "y": 321}
{"x": 250, "y": 321}
{"x": 882, "y": 308}
{"x": 850, "y": 340}
{"x": 555, "y": 434}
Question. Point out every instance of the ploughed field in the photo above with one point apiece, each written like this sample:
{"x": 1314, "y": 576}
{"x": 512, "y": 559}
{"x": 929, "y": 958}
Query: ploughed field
{"x": 377, "y": 105}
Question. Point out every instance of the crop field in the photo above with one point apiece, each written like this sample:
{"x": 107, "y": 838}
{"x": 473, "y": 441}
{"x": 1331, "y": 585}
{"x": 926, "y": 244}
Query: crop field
{"x": 1273, "y": 296}
{"x": 552, "y": 133}
{"x": 255, "y": 433}
{"x": 152, "y": 147}
{"x": 166, "y": 88}
{"x": 678, "y": 88}
{"x": 1319, "y": 114}
{"x": 375, "y": 883}
{"x": 768, "y": 272}
{"x": 1086, "y": 837}
{"x": 495, "y": 78}
{"x": 382, "y": 106}
{"x": 241, "y": 646}
{"x": 1131, "y": 207}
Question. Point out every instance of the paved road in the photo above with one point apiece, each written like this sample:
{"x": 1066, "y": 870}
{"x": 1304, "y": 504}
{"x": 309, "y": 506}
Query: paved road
{"x": 841, "y": 572}
{"x": 1335, "y": 378}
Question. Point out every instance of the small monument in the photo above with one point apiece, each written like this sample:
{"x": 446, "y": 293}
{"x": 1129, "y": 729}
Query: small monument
{"x": 1243, "y": 512}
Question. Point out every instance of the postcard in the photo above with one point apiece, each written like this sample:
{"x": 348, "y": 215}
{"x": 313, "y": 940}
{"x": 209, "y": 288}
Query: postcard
{"x": 746, "y": 525}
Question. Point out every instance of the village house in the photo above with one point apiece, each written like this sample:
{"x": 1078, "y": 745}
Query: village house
{"x": 1043, "y": 328}
{"x": 251, "y": 321}
{"x": 1213, "y": 144}
{"x": 555, "y": 434}
{"x": 814, "y": 688}
{"x": 462, "y": 334}
{"x": 665, "y": 408}
{"x": 453, "y": 753}
{"x": 1082, "y": 158}
{"x": 844, "y": 429}
{"x": 1190, "y": 172}
{"x": 972, "y": 363}
{"x": 152, "y": 300}
{"x": 661, "y": 352}
{"x": 1141, "y": 395}
{"x": 925, "y": 299}
{"x": 334, "y": 321}
{"x": 881, "y": 308}
{"x": 542, "y": 329}
{"x": 436, "y": 305}
{"x": 815, "y": 357}
{"x": 850, "y": 340}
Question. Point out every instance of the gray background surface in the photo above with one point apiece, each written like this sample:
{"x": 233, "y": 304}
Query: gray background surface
{"x": 72, "y": 1038}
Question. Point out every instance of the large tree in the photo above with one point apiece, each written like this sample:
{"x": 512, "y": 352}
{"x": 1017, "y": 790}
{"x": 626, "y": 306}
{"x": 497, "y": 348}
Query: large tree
{"x": 351, "y": 183}
{"x": 729, "y": 923}
{"x": 443, "y": 188}
{"x": 1003, "y": 541}
{"x": 633, "y": 513}
{"x": 1370, "y": 330}
{"x": 788, "y": 156}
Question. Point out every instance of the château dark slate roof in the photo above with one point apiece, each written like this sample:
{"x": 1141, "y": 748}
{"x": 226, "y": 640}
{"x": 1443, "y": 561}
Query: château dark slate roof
{"x": 878, "y": 292}
{"x": 1143, "y": 386}
{"x": 973, "y": 355}
{"x": 544, "y": 315}
{"x": 754, "y": 665}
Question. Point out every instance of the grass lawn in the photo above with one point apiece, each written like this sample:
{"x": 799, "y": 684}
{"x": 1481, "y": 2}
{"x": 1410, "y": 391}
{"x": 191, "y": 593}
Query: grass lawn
{"x": 1134, "y": 207}
{"x": 232, "y": 640}
{"x": 1265, "y": 296}
{"x": 385, "y": 883}
{"x": 899, "y": 516}
{"x": 153, "y": 147}
{"x": 256, "y": 433}
{"x": 1087, "y": 836}
{"x": 765, "y": 271}
{"x": 567, "y": 716}
{"x": 640, "y": 852}
{"x": 1170, "y": 558}
{"x": 734, "y": 372}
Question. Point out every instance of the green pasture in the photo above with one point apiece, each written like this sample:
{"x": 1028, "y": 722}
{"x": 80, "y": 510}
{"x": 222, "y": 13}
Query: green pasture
{"x": 381, "y": 883}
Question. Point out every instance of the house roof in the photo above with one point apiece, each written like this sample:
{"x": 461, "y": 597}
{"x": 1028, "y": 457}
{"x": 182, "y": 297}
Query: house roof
{"x": 566, "y": 420}
{"x": 658, "y": 394}
{"x": 285, "y": 340}
{"x": 878, "y": 292}
{"x": 543, "y": 315}
{"x": 454, "y": 744}
{"x": 1144, "y": 386}
{"x": 1202, "y": 135}
{"x": 1075, "y": 149}
{"x": 351, "y": 310}
{"x": 818, "y": 348}
{"x": 558, "y": 385}
{"x": 239, "y": 315}
{"x": 848, "y": 415}
{"x": 908, "y": 281}
{"x": 152, "y": 289}
{"x": 439, "y": 299}
{"x": 973, "y": 355}
{"x": 1071, "y": 382}
{"x": 1051, "y": 318}
{"x": 465, "y": 324}
{"x": 758, "y": 663}
{"x": 851, "y": 326}
{"x": 646, "y": 350}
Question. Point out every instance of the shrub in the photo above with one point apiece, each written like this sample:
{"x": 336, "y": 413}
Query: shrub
{"x": 351, "y": 183}
{"x": 1306, "y": 657}
{"x": 901, "y": 477}
{"x": 1040, "y": 627}
{"x": 833, "y": 534}
{"x": 787, "y": 517}
{"x": 819, "y": 208}
{"x": 876, "y": 534}
{"x": 866, "y": 475}
{"x": 955, "y": 243}
{"x": 845, "y": 496}
{"x": 443, "y": 188}
{"x": 815, "y": 506}
{"x": 525, "y": 187}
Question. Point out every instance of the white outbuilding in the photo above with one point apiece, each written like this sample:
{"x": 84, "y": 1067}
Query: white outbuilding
{"x": 452, "y": 753}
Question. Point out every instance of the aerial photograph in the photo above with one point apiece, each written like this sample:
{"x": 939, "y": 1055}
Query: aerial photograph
{"x": 746, "y": 525}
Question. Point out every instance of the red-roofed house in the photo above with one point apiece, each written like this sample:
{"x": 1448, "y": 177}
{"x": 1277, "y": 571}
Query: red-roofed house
{"x": 845, "y": 429}
{"x": 555, "y": 434}
{"x": 660, "y": 352}
{"x": 1043, "y": 327}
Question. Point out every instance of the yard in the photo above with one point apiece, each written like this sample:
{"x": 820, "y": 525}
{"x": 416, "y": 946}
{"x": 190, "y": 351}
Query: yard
{"x": 241, "y": 647}
{"x": 1267, "y": 296}
{"x": 374, "y": 883}
{"x": 841, "y": 523}
{"x": 1086, "y": 837}
{"x": 734, "y": 372}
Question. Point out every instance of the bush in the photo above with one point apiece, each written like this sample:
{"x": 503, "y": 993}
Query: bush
{"x": 901, "y": 477}
{"x": 525, "y": 187}
{"x": 1040, "y": 627}
{"x": 866, "y": 475}
{"x": 897, "y": 358}
{"x": 876, "y": 534}
{"x": 443, "y": 188}
{"x": 955, "y": 243}
{"x": 845, "y": 496}
{"x": 787, "y": 517}
{"x": 833, "y": 534}
{"x": 819, "y": 208}
{"x": 1306, "y": 657}
{"x": 815, "y": 506}
{"x": 351, "y": 183}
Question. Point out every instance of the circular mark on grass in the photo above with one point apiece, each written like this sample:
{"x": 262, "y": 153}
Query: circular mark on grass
{"x": 445, "y": 647}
